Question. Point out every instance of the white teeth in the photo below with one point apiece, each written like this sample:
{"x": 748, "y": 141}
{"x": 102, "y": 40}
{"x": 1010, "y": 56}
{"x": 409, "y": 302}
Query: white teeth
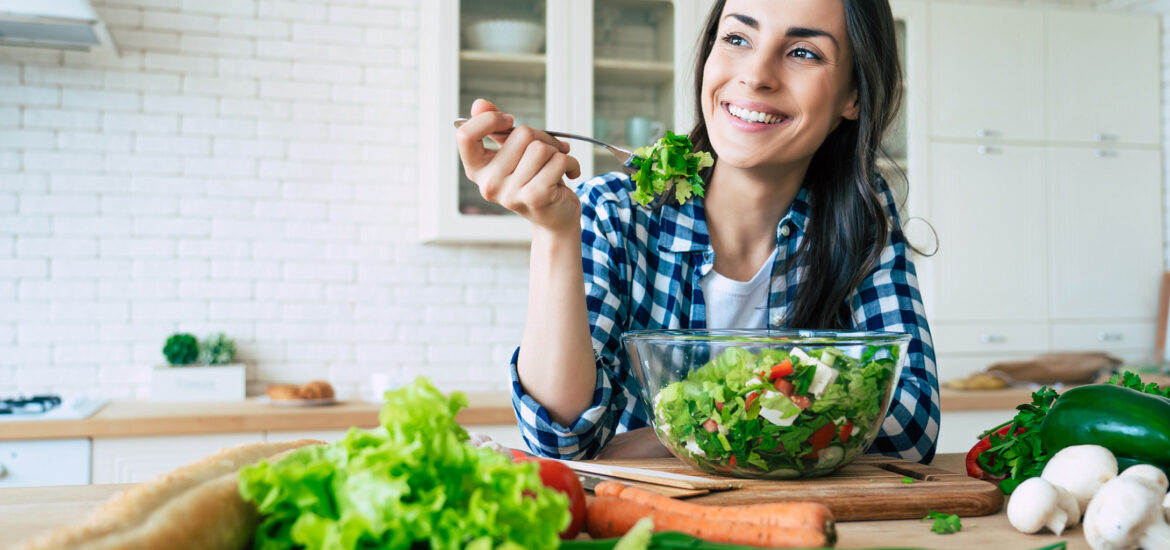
{"x": 752, "y": 116}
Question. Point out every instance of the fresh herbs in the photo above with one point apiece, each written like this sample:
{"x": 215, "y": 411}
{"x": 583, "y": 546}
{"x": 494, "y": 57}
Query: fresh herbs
{"x": 414, "y": 482}
{"x": 670, "y": 162}
{"x": 1131, "y": 380}
{"x": 944, "y": 524}
{"x": 1017, "y": 453}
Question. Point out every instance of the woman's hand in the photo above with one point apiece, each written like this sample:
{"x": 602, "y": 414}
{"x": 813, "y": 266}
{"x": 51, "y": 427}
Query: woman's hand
{"x": 525, "y": 175}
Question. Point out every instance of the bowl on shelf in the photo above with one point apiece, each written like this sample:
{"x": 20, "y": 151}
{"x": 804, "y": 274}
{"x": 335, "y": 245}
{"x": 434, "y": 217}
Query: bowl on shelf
{"x": 774, "y": 404}
{"x": 513, "y": 36}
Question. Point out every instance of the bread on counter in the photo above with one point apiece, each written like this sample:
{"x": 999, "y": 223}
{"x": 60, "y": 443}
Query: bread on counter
{"x": 317, "y": 389}
{"x": 197, "y": 506}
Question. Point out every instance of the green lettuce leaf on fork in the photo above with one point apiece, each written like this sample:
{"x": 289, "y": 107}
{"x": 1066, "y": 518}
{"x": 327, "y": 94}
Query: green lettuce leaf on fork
{"x": 669, "y": 161}
{"x": 412, "y": 482}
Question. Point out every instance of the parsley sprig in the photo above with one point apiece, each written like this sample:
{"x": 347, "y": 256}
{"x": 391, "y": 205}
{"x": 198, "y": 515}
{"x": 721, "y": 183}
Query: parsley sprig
{"x": 944, "y": 524}
{"x": 1131, "y": 380}
{"x": 1018, "y": 454}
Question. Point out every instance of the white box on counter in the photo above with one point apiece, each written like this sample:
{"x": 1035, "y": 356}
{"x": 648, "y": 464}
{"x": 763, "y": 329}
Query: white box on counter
{"x": 198, "y": 383}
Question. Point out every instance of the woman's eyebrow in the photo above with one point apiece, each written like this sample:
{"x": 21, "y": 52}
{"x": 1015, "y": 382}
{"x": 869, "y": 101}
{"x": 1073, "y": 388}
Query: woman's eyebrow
{"x": 793, "y": 32}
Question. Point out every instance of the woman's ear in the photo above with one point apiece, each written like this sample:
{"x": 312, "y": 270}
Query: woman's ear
{"x": 852, "y": 108}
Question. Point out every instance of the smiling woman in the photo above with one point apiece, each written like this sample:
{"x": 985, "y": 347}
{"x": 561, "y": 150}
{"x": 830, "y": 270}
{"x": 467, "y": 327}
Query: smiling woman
{"x": 795, "y": 228}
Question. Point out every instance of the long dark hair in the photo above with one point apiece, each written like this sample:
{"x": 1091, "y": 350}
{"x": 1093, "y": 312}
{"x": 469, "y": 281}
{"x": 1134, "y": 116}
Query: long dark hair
{"x": 848, "y": 226}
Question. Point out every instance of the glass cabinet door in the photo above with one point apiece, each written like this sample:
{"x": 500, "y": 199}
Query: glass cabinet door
{"x": 502, "y": 57}
{"x": 633, "y": 75}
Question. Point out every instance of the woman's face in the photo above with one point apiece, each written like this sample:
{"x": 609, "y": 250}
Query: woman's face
{"x": 778, "y": 80}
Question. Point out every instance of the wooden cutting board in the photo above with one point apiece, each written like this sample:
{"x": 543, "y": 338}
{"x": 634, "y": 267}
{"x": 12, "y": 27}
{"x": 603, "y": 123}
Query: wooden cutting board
{"x": 871, "y": 487}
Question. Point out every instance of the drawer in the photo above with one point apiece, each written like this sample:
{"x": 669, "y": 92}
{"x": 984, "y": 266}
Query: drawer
{"x": 989, "y": 337}
{"x": 44, "y": 462}
{"x": 1103, "y": 336}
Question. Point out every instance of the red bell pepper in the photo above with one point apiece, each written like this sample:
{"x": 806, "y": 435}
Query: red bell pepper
{"x": 973, "y": 468}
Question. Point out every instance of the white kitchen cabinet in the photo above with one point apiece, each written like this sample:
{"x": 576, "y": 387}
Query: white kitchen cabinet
{"x": 137, "y": 459}
{"x": 1105, "y": 236}
{"x": 987, "y": 205}
{"x": 593, "y": 66}
{"x": 987, "y": 71}
{"x": 44, "y": 462}
{"x": 1103, "y": 77}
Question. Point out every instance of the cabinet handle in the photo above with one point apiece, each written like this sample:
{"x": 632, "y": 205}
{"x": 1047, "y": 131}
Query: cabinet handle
{"x": 993, "y": 339}
{"x": 1110, "y": 336}
{"x": 985, "y": 150}
{"x": 1105, "y": 153}
{"x": 1104, "y": 137}
{"x": 984, "y": 132}
{"x": 3, "y": 472}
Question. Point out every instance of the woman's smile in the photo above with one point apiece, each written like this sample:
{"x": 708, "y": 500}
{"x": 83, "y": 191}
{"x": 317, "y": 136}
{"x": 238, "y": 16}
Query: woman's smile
{"x": 754, "y": 117}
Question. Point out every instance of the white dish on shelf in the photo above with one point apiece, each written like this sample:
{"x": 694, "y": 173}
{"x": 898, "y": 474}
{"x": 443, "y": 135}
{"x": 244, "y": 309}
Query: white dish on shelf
{"x": 512, "y": 36}
{"x": 300, "y": 402}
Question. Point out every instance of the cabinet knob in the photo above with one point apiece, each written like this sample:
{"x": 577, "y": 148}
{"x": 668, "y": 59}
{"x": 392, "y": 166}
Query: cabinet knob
{"x": 1103, "y": 137}
{"x": 993, "y": 338}
{"x": 985, "y": 150}
{"x": 1105, "y": 153}
{"x": 1110, "y": 336}
{"x": 983, "y": 132}
{"x": 3, "y": 472}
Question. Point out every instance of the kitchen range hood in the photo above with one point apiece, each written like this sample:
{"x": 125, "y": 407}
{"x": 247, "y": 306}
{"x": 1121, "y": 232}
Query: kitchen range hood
{"x": 58, "y": 24}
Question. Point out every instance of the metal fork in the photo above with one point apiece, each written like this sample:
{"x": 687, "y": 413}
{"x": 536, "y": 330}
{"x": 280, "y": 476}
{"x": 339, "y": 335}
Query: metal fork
{"x": 625, "y": 157}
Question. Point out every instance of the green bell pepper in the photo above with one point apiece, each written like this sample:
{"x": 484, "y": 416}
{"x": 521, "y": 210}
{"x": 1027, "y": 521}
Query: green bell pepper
{"x": 1135, "y": 426}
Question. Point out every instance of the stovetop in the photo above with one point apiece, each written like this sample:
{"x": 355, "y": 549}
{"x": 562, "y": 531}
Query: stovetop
{"x": 47, "y": 407}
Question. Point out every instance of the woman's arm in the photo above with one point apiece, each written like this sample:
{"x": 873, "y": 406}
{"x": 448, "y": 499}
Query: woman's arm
{"x": 889, "y": 300}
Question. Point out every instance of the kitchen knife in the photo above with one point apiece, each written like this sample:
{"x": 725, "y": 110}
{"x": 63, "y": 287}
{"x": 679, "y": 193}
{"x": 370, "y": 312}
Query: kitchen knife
{"x": 590, "y": 481}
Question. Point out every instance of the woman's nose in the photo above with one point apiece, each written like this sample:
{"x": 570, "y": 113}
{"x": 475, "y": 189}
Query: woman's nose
{"x": 759, "y": 73}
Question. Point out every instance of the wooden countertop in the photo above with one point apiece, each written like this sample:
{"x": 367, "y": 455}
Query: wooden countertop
{"x": 149, "y": 418}
{"x": 25, "y": 512}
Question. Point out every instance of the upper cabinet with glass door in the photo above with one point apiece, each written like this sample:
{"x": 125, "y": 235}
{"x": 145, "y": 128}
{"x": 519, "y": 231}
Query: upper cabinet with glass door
{"x": 618, "y": 70}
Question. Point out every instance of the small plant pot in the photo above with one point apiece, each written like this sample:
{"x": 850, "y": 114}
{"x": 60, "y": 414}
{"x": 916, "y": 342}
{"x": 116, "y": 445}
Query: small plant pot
{"x": 198, "y": 383}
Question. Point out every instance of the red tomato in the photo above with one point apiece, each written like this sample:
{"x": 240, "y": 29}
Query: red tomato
{"x": 751, "y": 398}
{"x": 784, "y": 368}
{"x": 846, "y": 431}
{"x": 719, "y": 406}
{"x": 556, "y": 475}
{"x": 783, "y": 386}
{"x": 801, "y": 401}
{"x": 822, "y": 437}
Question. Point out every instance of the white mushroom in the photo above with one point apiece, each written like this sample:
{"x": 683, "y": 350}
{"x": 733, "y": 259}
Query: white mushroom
{"x": 1126, "y": 514}
{"x": 1151, "y": 473}
{"x": 1036, "y": 504}
{"x": 1081, "y": 470}
{"x": 1166, "y": 507}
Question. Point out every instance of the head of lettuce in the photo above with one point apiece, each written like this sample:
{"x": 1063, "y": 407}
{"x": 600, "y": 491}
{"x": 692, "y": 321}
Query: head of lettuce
{"x": 414, "y": 482}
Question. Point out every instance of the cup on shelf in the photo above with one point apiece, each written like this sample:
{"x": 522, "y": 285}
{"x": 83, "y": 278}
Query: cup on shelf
{"x": 642, "y": 131}
{"x": 600, "y": 128}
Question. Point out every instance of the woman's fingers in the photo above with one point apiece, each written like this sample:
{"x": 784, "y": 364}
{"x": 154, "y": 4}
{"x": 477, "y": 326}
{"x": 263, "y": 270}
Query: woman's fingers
{"x": 469, "y": 139}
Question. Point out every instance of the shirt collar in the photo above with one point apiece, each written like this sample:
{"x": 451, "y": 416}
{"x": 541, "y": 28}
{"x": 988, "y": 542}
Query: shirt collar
{"x": 684, "y": 227}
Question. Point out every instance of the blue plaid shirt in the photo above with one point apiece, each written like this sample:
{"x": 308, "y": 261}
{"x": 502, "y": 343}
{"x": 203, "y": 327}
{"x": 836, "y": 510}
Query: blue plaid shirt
{"x": 642, "y": 271}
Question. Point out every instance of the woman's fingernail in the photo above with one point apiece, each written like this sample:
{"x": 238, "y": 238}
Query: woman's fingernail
{"x": 510, "y": 119}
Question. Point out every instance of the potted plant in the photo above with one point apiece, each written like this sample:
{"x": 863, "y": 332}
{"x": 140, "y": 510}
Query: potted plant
{"x": 198, "y": 370}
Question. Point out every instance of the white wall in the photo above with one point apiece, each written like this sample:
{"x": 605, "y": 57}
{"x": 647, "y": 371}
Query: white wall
{"x": 246, "y": 166}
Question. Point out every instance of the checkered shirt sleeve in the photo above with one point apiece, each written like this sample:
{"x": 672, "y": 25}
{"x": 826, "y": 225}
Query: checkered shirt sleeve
{"x": 889, "y": 300}
{"x": 615, "y": 407}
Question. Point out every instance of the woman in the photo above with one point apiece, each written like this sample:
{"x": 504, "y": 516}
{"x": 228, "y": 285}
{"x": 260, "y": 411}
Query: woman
{"x": 792, "y": 100}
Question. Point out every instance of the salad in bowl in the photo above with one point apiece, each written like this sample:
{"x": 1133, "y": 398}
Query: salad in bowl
{"x": 766, "y": 403}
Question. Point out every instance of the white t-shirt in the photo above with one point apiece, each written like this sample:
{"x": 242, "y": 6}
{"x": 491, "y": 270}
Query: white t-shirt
{"x": 737, "y": 304}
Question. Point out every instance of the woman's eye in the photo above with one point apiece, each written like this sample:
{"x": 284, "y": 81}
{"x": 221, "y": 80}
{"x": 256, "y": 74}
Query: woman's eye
{"x": 804, "y": 53}
{"x": 735, "y": 40}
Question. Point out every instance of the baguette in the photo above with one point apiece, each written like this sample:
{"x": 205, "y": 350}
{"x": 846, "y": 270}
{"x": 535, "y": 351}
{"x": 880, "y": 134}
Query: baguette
{"x": 196, "y": 506}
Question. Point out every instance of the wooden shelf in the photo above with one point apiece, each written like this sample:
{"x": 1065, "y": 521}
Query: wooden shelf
{"x": 491, "y": 64}
{"x": 632, "y": 71}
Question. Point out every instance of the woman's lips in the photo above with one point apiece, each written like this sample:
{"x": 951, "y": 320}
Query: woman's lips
{"x": 735, "y": 112}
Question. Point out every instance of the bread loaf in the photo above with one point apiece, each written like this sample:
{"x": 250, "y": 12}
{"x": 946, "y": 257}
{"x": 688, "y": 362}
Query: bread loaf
{"x": 193, "y": 507}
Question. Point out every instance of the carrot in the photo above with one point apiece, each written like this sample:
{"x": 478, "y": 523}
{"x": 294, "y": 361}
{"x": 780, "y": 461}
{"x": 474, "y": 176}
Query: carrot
{"x": 609, "y": 517}
{"x": 801, "y": 515}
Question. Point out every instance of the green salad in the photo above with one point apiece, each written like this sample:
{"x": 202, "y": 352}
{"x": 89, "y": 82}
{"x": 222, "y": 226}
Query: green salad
{"x": 669, "y": 161}
{"x": 776, "y": 413}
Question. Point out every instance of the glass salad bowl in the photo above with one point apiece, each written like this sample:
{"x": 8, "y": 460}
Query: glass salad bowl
{"x": 774, "y": 404}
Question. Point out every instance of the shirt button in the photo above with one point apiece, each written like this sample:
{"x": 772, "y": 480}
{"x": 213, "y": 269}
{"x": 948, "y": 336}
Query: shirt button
{"x": 784, "y": 230}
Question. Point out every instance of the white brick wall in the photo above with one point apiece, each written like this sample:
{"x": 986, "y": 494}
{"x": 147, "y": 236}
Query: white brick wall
{"x": 245, "y": 166}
